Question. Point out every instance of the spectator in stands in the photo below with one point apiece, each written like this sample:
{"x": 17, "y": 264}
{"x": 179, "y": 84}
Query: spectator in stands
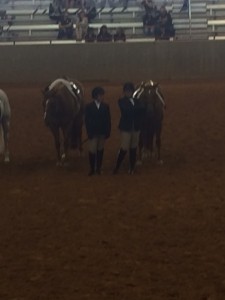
{"x": 164, "y": 28}
{"x": 150, "y": 20}
{"x": 81, "y": 25}
{"x": 104, "y": 35}
{"x": 148, "y": 5}
{"x": 119, "y": 36}
{"x": 185, "y": 6}
{"x": 90, "y": 36}
{"x": 55, "y": 11}
{"x": 65, "y": 27}
{"x": 90, "y": 9}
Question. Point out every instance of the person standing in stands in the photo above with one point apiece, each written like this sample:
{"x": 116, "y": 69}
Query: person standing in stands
{"x": 81, "y": 25}
{"x": 130, "y": 124}
{"x": 65, "y": 27}
{"x": 98, "y": 126}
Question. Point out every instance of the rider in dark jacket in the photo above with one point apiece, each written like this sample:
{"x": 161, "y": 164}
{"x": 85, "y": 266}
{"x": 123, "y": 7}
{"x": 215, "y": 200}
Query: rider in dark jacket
{"x": 98, "y": 126}
{"x": 129, "y": 125}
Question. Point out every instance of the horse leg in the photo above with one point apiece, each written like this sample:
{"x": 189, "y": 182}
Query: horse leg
{"x": 76, "y": 134}
{"x": 79, "y": 136}
{"x": 149, "y": 141}
{"x": 140, "y": 148}
{"x": 5, "y": 127}
{"x": 66, "y": 137}
{"x": 56, "y": 135}
{"x": 158, "y": 144}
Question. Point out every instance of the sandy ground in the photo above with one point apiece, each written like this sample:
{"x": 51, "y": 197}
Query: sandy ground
{"x": 156, "y": 235}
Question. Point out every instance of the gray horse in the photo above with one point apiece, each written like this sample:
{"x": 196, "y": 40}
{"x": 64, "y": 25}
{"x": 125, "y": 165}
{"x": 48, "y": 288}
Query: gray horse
{"x": 63, "y": 110}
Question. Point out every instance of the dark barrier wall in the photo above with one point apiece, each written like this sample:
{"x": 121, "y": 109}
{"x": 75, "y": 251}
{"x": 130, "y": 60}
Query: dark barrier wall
{"x": 113, "y": 62}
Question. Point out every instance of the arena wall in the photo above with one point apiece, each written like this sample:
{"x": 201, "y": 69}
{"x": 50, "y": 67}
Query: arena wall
{"x": 161, "y": 60}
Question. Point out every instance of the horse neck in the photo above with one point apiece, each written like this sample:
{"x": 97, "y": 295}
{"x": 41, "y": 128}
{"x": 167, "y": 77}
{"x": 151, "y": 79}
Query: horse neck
{"x": 1, "y": 110}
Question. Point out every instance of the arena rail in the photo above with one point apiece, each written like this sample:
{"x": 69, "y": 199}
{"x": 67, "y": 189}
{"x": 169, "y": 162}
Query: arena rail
{"x": 215, "y": 7}
{"x": 215, "y": 34}
{"x": 69, "y": 42}
{"x": 55, "y": 27}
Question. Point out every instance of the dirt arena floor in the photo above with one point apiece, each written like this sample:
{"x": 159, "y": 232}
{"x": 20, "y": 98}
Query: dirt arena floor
{"x": 158, "y": 234}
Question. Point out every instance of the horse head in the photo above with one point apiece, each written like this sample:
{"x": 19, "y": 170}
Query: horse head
{"x": 149, "y": 94}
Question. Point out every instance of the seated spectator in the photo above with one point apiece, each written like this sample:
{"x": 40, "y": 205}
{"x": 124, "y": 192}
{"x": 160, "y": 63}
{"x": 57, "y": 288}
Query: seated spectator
{"x": 119, "y": 36}
{"x": 81, "y": 25}
{"x": 65, "y": 27}
{"x": 104, "y": 35}
{"x": 55, "y": 11}
{"x": 90, "y": 36}
{"x": 164, "y": 28}
{"x": 149, "y": 21}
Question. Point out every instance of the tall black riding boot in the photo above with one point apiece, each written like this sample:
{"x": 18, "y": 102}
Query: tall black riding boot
{"x": 92, "y": 158}
{"x": 133, "y": 158}
{"x": 120, "y": 158}
{"x": 99, "y": 160}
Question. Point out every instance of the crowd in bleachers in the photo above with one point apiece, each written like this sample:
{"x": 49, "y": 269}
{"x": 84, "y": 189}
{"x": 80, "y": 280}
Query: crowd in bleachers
{"x": 157, "y": 22}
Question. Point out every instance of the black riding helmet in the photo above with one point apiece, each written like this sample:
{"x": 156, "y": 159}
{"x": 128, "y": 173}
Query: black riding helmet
{"x": 128, "y": 86}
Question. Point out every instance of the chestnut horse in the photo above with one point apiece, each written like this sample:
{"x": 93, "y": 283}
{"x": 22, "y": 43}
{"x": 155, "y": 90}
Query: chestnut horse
{"x": 153, "y": 102}
{"x": 5, "y": 115}
{"x": 63, "y": 111}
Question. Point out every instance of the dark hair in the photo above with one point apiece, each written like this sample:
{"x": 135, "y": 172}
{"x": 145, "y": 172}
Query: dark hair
{"x": 97, "y": 91}
{"x": 128, "y": 86}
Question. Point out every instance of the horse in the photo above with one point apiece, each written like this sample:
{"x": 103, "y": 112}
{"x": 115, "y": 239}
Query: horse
{"x": 5, "y": 116}
{"x": 154, "y": 105}
{"x": 63, "y": 111}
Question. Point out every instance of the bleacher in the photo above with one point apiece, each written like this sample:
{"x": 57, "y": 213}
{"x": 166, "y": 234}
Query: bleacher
{"x": 30, "y": 20}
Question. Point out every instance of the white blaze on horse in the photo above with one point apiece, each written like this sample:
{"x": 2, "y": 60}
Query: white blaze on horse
{"x": 63, "y": 111}
{"x": 153, "y": 101}
{"x": 5, "y": 116}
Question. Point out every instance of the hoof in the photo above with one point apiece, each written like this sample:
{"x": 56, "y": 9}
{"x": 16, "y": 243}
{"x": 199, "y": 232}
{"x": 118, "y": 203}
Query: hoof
{"x": 160, "y": 162}
{"x": 63, "y": 157}
{"x": 59, "y": 164}
{"x": 6, "y": 160}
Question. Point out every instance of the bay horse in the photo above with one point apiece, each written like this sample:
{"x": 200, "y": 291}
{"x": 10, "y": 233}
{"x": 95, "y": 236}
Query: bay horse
{"x": 63, "y": 111}
{"x": 153, "y": 103}
{"x": 5, "y": 116}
